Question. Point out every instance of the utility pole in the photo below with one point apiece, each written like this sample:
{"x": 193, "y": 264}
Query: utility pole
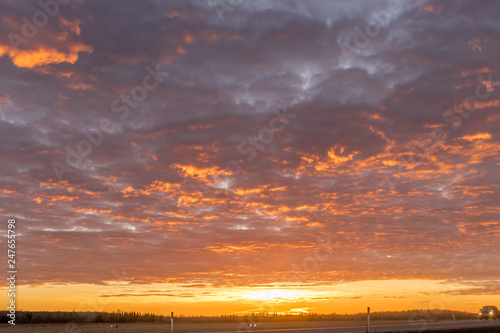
{"x": 368, "y": 321}
{"x": 172, "y": 322}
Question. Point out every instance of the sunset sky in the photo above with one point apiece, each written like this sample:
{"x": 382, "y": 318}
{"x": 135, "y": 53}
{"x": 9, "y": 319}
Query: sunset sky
{"x": 217, "y": 157}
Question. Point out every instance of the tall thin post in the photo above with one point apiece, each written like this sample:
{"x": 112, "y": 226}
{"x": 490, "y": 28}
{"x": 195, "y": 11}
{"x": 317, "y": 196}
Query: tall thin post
{"x": 368, "y": 321}
{"x": 171, "y": 322}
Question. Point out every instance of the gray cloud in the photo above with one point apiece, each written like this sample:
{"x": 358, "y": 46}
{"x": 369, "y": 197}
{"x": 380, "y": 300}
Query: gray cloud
{"x": 158, "y": 186}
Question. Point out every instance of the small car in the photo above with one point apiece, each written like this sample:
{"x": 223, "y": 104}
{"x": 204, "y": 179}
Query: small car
{"x": 488, "y": 311}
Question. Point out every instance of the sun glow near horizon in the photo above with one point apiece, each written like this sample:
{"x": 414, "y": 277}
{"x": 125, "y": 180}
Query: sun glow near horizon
{"x": 275, "y": 295}
{"x": 348, "y": 297}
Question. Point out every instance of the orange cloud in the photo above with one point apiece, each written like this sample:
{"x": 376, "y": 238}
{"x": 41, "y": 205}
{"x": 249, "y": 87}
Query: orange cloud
{"x": 482, "y": 105}
{"x": 249, "y": 191}
{"x": 72, "y": 26}
{"x": 6, "y": 191}
{"x": 62, "y": 198}
{"x": 339, "y": 159}
{"x": 202, "y": 174}
{"x": 188, "y": 38}
{"x": 181, "y": 50}
{"x": 478, "y": 136}
{"x": 44, "y": 56}
{"x": 156, "y": 186}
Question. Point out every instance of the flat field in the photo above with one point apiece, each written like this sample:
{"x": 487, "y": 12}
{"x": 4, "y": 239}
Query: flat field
{"x": 180, "y": 327}
{"x": 210, "y": 327}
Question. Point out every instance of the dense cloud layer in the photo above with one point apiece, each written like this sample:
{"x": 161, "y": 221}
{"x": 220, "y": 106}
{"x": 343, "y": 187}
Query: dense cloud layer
{"x": 254, "y": 132}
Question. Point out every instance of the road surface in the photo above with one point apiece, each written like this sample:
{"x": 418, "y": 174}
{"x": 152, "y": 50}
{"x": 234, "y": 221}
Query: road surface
{"x": 414, "y": 327}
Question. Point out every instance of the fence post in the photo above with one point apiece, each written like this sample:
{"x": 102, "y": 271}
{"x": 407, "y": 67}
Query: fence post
{"x": 172, "y": 322}
{"x": 368, "y": 321}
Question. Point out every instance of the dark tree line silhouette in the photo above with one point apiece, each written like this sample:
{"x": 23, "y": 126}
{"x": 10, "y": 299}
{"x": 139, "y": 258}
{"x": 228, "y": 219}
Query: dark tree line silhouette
{"x": 28, "y": 317}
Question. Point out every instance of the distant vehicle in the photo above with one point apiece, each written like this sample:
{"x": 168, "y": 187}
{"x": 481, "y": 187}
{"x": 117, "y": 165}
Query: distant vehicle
{"x": 488, "y": 311}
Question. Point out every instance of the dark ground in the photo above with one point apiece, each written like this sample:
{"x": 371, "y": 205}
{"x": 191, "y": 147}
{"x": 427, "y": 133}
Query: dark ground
{"x": 465, "y": 330}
